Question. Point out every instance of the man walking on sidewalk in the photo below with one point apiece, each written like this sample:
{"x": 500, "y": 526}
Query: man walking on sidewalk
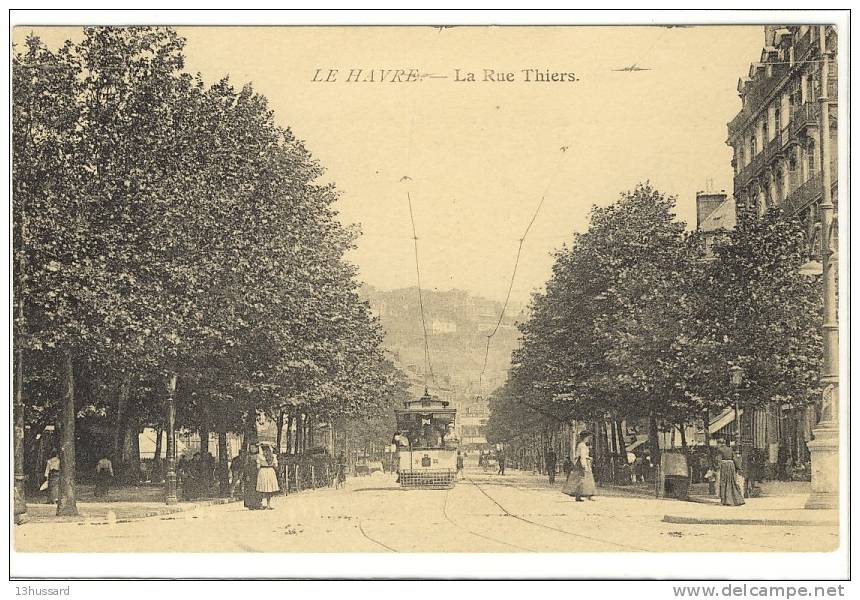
{"x": 550, "y": 459}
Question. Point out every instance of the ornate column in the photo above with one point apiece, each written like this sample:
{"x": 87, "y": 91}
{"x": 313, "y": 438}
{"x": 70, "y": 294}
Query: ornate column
{"x": 824, "y": 447}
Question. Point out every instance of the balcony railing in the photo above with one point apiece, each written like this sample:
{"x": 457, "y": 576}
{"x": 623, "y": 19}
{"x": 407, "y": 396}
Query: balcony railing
{"x": 772, "y": 147}
{"x": 804, "y": 42}
{"x": 759, "y": 90}
{"x": 803, "y": 196}
{"x": 744, "y": 176}
{"x": 807, "y": 113}
{"x": 807, "y": 193}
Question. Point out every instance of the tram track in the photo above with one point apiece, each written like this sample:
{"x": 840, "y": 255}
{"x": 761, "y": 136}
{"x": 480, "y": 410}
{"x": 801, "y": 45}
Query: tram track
{"x": 653, "y": 527}
{"x": 475, "y": 533}
{"x": 374, "y": 540}
{"x": 550, "y": 527}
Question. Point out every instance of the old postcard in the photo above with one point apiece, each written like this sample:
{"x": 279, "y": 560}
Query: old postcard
{"x": 439, "y": 290}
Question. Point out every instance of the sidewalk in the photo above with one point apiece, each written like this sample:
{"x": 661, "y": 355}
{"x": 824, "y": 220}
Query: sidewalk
{"x": 123, "y": 504}
{"x": 781, "y": 503}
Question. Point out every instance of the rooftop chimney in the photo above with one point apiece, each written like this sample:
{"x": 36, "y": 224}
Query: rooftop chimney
{"x": 707, "y": 203}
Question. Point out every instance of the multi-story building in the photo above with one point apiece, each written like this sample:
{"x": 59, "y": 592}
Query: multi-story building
{"x": 777, "y": 143}
{"x": 471, "y": 424}
{"x": 776, "y": 135}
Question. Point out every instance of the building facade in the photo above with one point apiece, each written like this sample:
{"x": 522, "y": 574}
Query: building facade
{"x": 776, "y": 135}
{"x": 777, "y": 159}
{"x": 471, "y": 424}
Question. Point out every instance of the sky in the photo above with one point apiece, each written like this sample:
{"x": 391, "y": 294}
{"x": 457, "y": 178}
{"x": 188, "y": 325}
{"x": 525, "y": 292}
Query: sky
{"x": 477, "y": 157}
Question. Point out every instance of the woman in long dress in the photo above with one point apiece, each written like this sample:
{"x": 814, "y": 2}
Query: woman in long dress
{"x": 580, "y": 481}
{"x": 251, "y": 498}
{"x": 730, "y": 491}
{"x": 267, "y": 475}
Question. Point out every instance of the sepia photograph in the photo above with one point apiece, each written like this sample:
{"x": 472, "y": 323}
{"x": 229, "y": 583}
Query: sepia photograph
{"x": 300, "y": 296}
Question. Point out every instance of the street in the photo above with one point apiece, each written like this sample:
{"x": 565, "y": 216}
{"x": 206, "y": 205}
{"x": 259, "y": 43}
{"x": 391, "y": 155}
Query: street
{"x": 518, "y": 512}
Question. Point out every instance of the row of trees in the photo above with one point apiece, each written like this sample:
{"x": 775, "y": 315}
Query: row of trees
{"x": 171, "y": 241}
{"x": 644, "y": 320}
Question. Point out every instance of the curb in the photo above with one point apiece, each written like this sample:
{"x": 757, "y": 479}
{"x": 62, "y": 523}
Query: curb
{"x": 159, "y": 512}
{"x": 749, "y": 521}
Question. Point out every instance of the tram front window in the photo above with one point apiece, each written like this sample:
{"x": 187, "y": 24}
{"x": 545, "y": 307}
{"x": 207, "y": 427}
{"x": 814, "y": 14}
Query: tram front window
{"x": 426, "y": 433}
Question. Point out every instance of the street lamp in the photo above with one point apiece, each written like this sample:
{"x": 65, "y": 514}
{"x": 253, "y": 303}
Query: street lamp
{"x": 736, "y": 378}
{"x": 824, "y": 448}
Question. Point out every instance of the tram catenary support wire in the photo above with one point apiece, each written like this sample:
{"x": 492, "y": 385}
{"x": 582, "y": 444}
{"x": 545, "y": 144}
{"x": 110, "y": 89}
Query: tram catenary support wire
{"x": 522, "y": 240}
{"x": 428, "y": 367}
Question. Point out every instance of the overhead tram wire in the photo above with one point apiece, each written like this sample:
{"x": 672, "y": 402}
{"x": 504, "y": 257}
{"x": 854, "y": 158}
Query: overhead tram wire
{"x": 428, "y": 367}
{"x": 514, "y": 272}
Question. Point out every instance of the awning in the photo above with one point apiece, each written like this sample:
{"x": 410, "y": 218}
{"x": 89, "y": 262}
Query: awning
{"x": 640, "y": 439}
{"x": 722, "y": 420}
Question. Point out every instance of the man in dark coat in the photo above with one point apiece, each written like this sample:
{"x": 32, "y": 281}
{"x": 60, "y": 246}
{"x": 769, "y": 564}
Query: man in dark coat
{"x": 550, "y": 459}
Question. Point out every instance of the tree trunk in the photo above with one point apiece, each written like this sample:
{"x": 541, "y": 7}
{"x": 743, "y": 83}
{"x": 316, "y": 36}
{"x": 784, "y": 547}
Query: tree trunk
{"x": 157, "y": 465}
{"x": 131, "y": 451}
{"x": 203, "y": 433}
{"x": 653, "y": 439}
{"x": 290, "y": 435}
{"x": 300, "y": 430}
{"x": 622, "y": 445}
{"x": 120, "y": 425}
{"x": 279, "y": 433}
{"x": 223, "y": 459}
{"x": 67, "y": 504}
{"x": 683, "y": 428}
{"x": 706, "y": 419}
{"x": 251, "y": 427}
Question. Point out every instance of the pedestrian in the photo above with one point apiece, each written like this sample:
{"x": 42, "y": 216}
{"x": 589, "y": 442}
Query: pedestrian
{"x": 500, "y": 457}
{"x": 251, "y": 497}
{"x": 191, "y": 481}
{"x": 730, "y": 491}
{"x": 340, "y": 471}
{"x": 459, "y": 465}
{"x": 551, "y": 459}
{"x": 267, "y": 475}
{"x": 52, "y": 478}
{"x": 639, "y": 469}
{"x": 580, "y": 482}
{"x": 236, "y": 466}
{"x": 401, "y": 443}
{"x": 104, "y": 475}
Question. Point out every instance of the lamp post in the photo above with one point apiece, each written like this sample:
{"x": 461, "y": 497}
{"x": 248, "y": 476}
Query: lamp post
{"x": 170, "y": 475}
{"x": 824, "y": 447}
{"x": 742, "y": 424}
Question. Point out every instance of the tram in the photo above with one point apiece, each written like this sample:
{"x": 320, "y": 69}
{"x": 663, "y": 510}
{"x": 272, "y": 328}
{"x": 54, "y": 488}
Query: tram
{"x": 427, "y": 448}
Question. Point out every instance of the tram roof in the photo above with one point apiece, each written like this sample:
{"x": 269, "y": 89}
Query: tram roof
{"x": 426, "y": 403}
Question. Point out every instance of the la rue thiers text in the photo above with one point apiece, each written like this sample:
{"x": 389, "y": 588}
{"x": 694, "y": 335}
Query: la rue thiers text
{"x": 414, "y": 75}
